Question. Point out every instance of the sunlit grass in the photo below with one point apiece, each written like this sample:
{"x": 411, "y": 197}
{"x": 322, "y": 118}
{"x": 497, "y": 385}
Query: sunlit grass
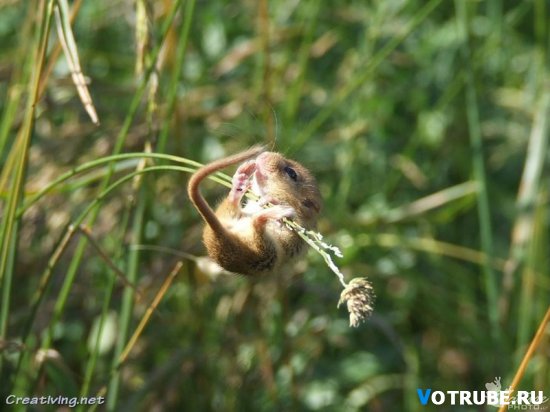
{"x": 426, "y": 125}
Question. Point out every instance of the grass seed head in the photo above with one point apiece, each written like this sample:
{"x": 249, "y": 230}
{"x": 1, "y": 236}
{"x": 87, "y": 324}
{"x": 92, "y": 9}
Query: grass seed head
{"x": 359, "y": 297}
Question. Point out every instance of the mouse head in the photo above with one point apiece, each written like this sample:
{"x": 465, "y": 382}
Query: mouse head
{"x": 288, "y": 182}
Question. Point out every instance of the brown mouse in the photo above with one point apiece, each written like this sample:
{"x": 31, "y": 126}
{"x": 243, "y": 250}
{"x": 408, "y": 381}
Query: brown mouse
{"x": 251, "y": 239}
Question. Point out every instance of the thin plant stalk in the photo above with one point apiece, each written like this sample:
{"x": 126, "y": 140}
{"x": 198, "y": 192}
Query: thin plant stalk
{"x": 94, "y": 213}
{"x": 484, "y": 211}
{"x": 95, "y": 352}
{"x": 19, "y": 78}
{"x": 103, "y": 255}
{"x": 133, "y": 258}
{"x": 526, "y": 198}
{"x": 265, "y": 69}
{"x": 295, "y": 90}
{"x": 92, "y": 361}
{"x": 56, "y": 255}
{"x": 127, "y": 300}
{"x": 141, "y": 326}
{"x": 363, "y": 76}
{"x": 536, "y": 254}
{"x": 67, "y": 41}
{"x": 537, "y": 339}
{"x": 56, "y": 51}
{"x": 9, "y": 226}
{"x": 85, "y": 167}
{"x": 176, "y": 72}
{"x": 150, "y": 310}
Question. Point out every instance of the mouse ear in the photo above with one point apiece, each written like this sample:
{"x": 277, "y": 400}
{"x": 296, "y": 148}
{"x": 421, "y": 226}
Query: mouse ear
{"x": 310, "y": 204}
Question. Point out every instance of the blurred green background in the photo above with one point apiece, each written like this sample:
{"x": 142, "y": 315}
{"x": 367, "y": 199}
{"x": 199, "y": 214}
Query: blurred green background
{"x": 426, "y": 125}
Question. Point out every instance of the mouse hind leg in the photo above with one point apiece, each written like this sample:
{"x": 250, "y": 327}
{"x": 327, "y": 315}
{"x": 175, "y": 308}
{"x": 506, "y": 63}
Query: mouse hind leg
{"x": 250, "y": 254}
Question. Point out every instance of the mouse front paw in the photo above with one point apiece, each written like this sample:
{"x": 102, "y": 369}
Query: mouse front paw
{"x": 277, "y": 213}
{"x": 241, "y": 181}
{"x": 266, "y": 200}
{"x": 247, "y": 168}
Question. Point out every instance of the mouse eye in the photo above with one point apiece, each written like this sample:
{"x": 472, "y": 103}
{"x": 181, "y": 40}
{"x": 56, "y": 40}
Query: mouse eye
{"x": 291, "y": 173}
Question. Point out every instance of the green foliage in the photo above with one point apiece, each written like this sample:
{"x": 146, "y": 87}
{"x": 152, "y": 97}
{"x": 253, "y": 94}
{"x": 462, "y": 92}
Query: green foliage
{"x": 425, "y": 123}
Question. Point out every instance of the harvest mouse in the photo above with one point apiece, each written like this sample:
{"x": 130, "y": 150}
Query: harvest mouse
{"x": 251, "y": 239}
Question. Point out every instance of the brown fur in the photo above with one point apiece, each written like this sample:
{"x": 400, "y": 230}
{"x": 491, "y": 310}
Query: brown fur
{"x": 249, "y": 240}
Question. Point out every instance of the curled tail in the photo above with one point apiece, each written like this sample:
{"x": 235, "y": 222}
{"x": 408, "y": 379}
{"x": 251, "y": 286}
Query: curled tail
{"x": 193, "y": 186}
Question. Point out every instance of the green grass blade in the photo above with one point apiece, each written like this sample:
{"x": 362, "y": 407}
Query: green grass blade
{"x": 9, "y": 225}
{"x": 94, "y": 212}
{"x": 484, "y": 212}
{"x": 127, "y": 302}
{"x": 176, "y": 74}
{"x": 361, "y": 77}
